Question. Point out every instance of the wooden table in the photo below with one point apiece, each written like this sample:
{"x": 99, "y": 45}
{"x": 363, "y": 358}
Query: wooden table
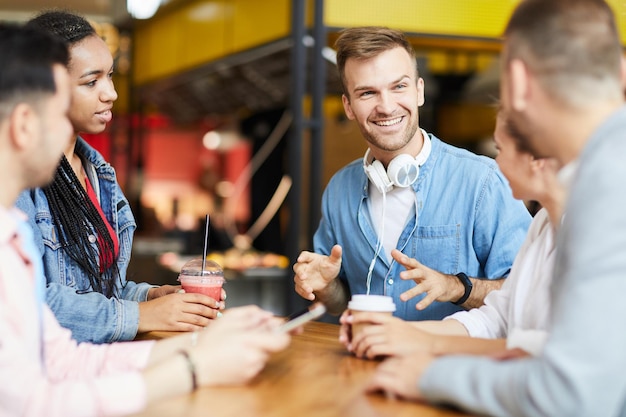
{"x": 314, "y": 376}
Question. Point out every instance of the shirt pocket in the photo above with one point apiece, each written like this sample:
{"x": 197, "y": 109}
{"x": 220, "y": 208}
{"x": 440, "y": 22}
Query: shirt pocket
{"x": 48, "y": 232}
{"x": 438, "y": 247}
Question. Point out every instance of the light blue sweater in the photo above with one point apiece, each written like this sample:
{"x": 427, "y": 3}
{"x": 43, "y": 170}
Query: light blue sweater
{"x": 582, "y": 370}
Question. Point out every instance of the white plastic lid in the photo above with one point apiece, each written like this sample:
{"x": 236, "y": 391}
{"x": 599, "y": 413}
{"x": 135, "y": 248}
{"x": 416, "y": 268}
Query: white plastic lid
{"x": 380, "y": 303}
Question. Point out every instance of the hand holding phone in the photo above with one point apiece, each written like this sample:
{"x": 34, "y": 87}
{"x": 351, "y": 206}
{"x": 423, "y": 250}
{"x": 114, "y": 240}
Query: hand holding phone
{"x": 314, "y": 311}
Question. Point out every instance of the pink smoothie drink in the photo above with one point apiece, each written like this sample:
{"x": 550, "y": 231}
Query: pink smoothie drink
{"x": 212, "y": 289}
{"x": 205, "y": 279}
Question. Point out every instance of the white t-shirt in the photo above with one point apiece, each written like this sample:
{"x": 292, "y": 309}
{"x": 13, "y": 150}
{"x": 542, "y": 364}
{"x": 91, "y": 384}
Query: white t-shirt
{"x": 396, "y": 206}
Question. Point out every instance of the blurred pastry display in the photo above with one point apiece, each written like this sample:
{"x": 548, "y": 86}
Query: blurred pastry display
{"x": 237, "y": 260}
{"x": 249, "y": 262}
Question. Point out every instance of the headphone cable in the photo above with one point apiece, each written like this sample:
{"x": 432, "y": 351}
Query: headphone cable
{"x": 379, "y": 245}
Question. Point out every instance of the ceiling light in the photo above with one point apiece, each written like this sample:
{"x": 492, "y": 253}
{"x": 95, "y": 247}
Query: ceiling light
{"x": 142, "y": 9}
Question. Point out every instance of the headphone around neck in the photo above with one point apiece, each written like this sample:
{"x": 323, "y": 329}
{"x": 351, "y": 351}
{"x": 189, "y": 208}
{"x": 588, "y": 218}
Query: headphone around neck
{"x": 402, "y": 171}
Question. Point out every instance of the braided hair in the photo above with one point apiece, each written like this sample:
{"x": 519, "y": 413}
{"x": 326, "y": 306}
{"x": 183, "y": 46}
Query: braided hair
{"x": 76, "y": 218}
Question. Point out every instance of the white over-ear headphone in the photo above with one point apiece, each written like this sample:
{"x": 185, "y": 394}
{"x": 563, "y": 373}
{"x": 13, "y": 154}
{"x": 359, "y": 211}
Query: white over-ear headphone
{"x": 402, "y": 171}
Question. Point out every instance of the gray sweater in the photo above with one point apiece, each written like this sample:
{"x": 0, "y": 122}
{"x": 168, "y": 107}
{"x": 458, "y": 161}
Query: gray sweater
{"x": 582, "y": 371}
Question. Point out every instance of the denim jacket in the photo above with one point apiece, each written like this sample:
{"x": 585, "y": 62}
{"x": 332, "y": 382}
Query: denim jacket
{"x": 89, "y": 315}
{"x": 468, "y": 221}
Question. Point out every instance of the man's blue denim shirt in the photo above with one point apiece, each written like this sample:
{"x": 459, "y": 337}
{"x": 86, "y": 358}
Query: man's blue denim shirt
{"x": 468, "y": 221}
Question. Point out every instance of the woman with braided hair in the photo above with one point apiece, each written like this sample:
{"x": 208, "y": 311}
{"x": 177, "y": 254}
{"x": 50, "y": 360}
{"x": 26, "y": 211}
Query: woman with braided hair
{"x": 83, "y": 223}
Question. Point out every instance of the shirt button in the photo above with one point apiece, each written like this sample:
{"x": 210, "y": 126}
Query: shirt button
{"x": 92, "y": 238}
{"x": 390, "y": 281}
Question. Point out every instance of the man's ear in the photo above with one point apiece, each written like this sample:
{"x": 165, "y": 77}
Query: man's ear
{"x": 420, "y": 92}
{"x": 23, "y": 124}
{"x": 537, "y": 164}
{"x": 519, "y": 85}
{"x": 545, "y": 166}
{"x": 346, "y": 107}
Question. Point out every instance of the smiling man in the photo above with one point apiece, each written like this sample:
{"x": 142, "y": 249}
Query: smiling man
{"x": 434, "y": 226}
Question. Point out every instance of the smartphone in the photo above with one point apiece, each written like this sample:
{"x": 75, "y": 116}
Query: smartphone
{"x": 314, "y": 311}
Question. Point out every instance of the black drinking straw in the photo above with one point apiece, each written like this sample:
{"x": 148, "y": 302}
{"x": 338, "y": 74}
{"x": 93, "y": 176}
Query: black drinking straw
{"x": 206, "y": 243}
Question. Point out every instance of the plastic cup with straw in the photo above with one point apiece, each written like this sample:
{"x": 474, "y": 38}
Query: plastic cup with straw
{"x": 200, "y": 276}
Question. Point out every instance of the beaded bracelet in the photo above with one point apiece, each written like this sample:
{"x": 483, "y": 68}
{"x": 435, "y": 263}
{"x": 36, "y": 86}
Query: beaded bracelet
{"x": 192, "y": 369}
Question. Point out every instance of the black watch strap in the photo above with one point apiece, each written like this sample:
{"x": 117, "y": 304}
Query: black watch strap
{"x": 467, "y": 284}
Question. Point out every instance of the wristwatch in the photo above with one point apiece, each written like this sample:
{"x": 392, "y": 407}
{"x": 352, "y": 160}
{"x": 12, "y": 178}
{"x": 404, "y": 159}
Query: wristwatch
{"x": 467, "y": 284}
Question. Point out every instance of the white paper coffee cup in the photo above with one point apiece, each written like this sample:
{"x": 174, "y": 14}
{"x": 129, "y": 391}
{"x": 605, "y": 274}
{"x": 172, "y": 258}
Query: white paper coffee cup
{"x": 364, "y": 302}
{"x": 361, "y": 303}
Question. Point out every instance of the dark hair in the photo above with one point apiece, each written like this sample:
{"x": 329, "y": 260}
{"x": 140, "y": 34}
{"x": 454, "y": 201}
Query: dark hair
{"x": 70, "y": 27}
{"x": 76, "y": 218}
{"x": 573, "y": 47}
{"x": 27, "y": 56}
{"x": 367, "y": 42}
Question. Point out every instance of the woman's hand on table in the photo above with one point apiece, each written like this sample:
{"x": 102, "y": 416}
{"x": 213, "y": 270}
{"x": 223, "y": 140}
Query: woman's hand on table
{"x": 384, "y": 336}
{"x": 178, "y": 311}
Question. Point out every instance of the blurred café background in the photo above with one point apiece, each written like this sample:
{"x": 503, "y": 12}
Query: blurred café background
{"x": 232, "y": 108}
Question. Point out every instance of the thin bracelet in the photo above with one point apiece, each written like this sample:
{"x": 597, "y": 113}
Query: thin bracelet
{"x": 192, "y": 369}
